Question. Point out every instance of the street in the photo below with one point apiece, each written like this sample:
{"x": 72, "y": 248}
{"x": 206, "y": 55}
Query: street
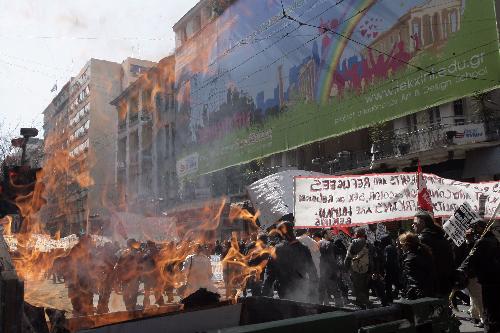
{"x": 37, "y": 293}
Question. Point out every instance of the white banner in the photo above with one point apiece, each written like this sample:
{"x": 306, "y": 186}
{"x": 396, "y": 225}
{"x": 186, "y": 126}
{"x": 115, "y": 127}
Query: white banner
{"x": 346, "y": 200}
{"x": 459, "y": 222}
{"x": 217, "y": 274}
{"x": 272, "y": 196}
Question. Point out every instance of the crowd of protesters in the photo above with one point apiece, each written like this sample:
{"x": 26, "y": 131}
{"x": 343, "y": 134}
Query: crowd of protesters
{"x": 300, "y": 265}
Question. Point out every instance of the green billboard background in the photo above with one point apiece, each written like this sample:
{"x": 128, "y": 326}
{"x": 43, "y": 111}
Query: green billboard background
{"x": 228, "y": 123}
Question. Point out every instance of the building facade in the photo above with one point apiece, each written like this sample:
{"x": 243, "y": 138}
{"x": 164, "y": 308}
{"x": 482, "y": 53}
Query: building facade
{"x": 56, "y": 133}
{"x": 81, "y": 131}
{"x": 458, "y": 139}
{"x": 145, "y": 161}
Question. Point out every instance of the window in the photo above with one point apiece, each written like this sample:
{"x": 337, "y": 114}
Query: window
{"x": 434, "y": 116}
{"x": 458, "y": 109}
{"x": 411, "y": 123}
{"x": 427, "y": 30}
{"x": 146, "y": 99}
{"x": 454, "y": 20}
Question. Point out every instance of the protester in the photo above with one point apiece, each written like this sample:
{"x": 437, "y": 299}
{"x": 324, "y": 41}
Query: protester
{"x": 484, "y": 262}
{"x": 434, "y": 237}
{"x": 390, "y": 268}
{"x": 198, "y": 271}
{"x": 344, "y": 280}
{"x": 329, "y": 271}
{"x": 419, "y": 275}
{"x": 358, "y": 261}
{"x": 79, "y": 279}
{"x": 218, "y": 248}
{"x": 259, "y": 255}
{"x": 105, "y": 264}
{"x": 151, "y": 275}
{"x": 171, "y": 270}
{"x": 304, "y": 236}
{"x": 292, "y": 268}
{"x": 128, "y": 271}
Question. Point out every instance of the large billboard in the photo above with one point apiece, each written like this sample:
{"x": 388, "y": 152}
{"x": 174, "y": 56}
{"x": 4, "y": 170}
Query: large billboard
{"x": 253, "y": 83}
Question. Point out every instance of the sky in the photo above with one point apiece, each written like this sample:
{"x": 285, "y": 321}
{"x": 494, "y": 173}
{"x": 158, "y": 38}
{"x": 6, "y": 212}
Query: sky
{"x": 45, "y": 42}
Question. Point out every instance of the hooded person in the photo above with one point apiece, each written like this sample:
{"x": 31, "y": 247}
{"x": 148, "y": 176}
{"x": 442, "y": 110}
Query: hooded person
{"x": 484, "y": 263}
{"x": 434, "y": 237}
{"x": 198, "y": 271}
{"x": 292, "y": 268}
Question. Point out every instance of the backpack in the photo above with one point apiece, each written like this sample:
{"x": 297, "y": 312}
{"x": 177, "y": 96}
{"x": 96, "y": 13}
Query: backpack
{"x": 360, "y": 262}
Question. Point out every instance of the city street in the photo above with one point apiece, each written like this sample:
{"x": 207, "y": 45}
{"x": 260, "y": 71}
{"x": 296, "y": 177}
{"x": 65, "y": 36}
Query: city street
{"x": 38, "y": 293}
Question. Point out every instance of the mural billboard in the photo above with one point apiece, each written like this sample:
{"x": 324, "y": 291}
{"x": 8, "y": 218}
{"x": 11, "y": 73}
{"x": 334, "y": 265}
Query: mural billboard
{"x": 253, "y": 83}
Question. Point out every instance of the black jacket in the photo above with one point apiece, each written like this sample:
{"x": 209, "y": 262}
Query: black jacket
{"x": 434, "y": 238}
{"x": 293, "y": 270}
{"x": 418, "y": 274}
{"x": 328, "y": 265}
{"x": 484, "y": 262}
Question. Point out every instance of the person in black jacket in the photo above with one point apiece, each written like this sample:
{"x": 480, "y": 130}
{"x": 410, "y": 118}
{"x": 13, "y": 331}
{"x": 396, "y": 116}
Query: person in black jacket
{"x": 329, "y": 272}
{"x": 434, "y": 237}
{"x": 390, "y": 267}
{"x": 418, "y": 268}
{"x": 292, "y": 268}
{"x": 484, "y": 262}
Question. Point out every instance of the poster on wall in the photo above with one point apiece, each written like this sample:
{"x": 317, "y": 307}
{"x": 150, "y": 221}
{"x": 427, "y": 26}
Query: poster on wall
{"x": 252, "y": 83}
{"x": 355, "y": 200}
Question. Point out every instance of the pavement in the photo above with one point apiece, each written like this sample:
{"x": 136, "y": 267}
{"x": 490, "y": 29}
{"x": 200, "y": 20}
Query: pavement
{"x": 47, "y": 294}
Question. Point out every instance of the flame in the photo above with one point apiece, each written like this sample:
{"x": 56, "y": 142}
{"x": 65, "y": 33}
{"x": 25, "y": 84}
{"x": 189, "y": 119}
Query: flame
{"x": 7, "y": 225}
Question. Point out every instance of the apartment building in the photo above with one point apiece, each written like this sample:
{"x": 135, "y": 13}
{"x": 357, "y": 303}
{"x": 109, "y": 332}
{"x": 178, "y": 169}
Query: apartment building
{"x": 81, "y": 132}
{"x": 55, "y": 129}
{"x": 145, "y": 161}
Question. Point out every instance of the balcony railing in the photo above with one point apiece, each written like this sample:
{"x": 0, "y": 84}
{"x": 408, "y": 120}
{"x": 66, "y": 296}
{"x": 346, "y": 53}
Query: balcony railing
{"x": 403, "y": 142}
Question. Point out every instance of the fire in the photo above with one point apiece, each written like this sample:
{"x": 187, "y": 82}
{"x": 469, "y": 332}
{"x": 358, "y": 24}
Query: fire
{"x": 6, "y": 222}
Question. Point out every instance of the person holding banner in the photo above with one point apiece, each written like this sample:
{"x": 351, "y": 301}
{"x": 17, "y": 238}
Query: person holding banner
{"x": 434, "y": 237}
{"x": 484, "y": 262}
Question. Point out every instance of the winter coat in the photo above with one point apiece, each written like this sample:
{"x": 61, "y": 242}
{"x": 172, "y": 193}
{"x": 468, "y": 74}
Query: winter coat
{"x": 484, "y": 262}
{"x": 292, "y": 268}
{"x": 328, "y": 260}
{"x": 434, "y": 238}
{"x": 419, "y": 275}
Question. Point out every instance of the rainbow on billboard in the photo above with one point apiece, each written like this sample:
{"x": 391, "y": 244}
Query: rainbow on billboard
{"x": 337, "y": 48}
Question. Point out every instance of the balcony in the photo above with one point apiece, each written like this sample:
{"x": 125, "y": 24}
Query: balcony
{"x": 403, "y": 144}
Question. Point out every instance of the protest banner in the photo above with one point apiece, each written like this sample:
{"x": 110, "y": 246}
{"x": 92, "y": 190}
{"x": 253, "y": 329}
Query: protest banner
{"x": 352, "y": 200}
{"x": 459, "y": 222}
{"x": 272, "y": 196}
{"x": 217, "y": 274}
